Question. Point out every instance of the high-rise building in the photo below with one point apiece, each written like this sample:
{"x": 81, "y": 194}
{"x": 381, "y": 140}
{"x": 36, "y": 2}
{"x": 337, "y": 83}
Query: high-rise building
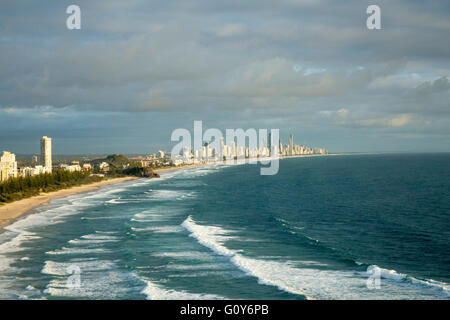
{"x": 46, "y": 152}
{"x": 223, "y": 152}
{"x": 270, "y": 143}
{"x": 291, "y": 145}
{"x": 233, "y": 149}
{"x": 8, "y": 166}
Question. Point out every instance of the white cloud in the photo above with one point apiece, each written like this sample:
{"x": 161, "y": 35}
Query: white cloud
{"x": 395, "y": 121}
{"x": 231, "y": 29}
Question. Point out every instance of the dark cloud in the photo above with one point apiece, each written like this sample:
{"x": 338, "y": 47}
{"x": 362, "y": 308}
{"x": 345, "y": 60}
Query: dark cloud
{"x": 289, "y": 63}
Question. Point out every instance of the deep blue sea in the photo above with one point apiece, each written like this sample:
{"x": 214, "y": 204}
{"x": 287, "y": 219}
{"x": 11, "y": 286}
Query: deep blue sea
{"x": 225, "y": 232}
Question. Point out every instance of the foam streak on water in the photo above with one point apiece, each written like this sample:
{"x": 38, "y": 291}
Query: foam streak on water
{"x": 292, "y": 277}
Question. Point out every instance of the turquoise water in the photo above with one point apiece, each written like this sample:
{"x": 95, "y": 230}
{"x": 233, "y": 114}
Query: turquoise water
{"x": 225, "y": 232}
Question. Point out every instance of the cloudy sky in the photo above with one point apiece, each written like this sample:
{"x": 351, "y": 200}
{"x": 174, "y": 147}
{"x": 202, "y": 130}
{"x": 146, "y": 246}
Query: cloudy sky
{"x": 139, "y": 69}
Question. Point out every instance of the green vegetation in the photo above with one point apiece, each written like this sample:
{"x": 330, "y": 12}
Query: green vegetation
{"x": 22, "y": 187}
{"x": 140, "y": 172}
{"x": 120, "y": 165}
{"x": 117, "y": 161}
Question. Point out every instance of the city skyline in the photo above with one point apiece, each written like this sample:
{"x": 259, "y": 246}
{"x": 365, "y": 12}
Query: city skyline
{"x": 10, "y": 167}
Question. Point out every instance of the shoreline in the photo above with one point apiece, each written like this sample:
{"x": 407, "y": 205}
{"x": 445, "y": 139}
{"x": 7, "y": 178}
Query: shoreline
{"x": 10, "y": 212}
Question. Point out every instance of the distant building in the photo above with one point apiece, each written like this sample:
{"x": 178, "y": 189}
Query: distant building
{"x": 46, "y": 152}
{"x": 70, "y": 168}
{"x": 104, "y": 166}
{"x": 87, "y": 166}
{"x": 26, "y": 171}
{"x": 8, "y": 166}
{"x": 42, "y": 169}
{"x": 233, "y": 149}
{"x": 291, "y": 145}
{"x": 29, "y": 171}
{"x": 223, "y": 150}
{"x": 178, "y": 161}
{"x": 161, "y": 154}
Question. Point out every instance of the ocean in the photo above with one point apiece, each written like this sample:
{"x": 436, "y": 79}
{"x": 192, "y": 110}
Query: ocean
{"x": 331, "y": 227}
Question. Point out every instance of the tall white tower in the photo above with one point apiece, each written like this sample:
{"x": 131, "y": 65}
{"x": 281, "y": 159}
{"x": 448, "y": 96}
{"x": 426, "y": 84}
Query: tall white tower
{"x": 46, "y": 152}
{"x": 8, "y": 165}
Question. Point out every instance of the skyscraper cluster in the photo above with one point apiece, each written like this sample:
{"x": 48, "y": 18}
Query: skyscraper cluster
{"x": 208, "y": 153}
{"x": 8, "y": 163}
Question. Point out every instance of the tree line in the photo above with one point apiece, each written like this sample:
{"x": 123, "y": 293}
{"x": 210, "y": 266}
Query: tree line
{"x": 22, "y": 187}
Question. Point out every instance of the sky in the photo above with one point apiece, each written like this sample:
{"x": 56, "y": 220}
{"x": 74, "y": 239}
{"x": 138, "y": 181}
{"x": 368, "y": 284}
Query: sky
{"x": 139, "y": 69}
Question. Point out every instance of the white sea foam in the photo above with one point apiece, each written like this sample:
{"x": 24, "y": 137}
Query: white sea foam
{"x": 98, "y": 237}
{"x": 22, "y": 231}
{"x": 115, "y": 201}
{"x": 106, "y": 232}
{"x": 209, "y": 236}
{"x": 308, "y": 281}
{"x": 12, "y": 246}
{"x": 85, "y": 265}
{"x": 30, "y": 288}
{"x": 157, "y": 214}
{"x": 140, "y": 220}
{"x": 185, "y": 255}
{"x": 5, "y": 263}
{"x": 400, "y": 277}
{"x": 140, "y": 182}
{"x": 159, "y": 229}
{"x": 200, "y": 171}
{"x": 77, "y": 251}
{"x": 51, "y": 214}
{"x": 102, "y": 193}
{"x": 102, "y": 218}
{"x": 202, "y": 266}
{"x": 99, "y": 279}
{"x": 170, "y": 194}
{"x": 156, "y": 292}
{"x": 142, "y": 215}
{"x": 93, "y": 239}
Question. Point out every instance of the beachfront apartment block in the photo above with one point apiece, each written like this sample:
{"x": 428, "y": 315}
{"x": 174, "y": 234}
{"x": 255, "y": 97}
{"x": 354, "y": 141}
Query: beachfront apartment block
{"x": 46, "y": 152}
{"x": 71, "y": 167}
{"x": 8, "y": 166}
{"x": 33, "y": 171}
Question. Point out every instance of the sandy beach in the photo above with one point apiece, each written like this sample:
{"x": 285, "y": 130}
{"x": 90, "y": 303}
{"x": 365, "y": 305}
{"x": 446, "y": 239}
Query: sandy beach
{"x": 9, "y": 212}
